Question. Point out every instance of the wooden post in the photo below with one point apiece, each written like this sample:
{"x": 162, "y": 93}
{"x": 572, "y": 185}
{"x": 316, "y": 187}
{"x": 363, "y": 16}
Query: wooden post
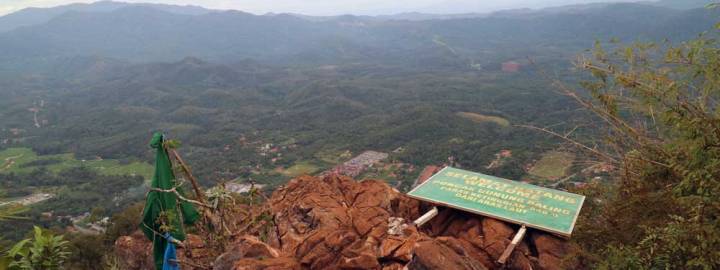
{"x": 426, "y": 217}
{"x": 509, "y": 249}
{"x": 178, "y": 243}
{"x": 189, "y": 175}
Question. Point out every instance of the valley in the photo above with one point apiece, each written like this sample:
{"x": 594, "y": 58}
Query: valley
{"x": 441, "y": 95}
{"x": 255, "y": 103}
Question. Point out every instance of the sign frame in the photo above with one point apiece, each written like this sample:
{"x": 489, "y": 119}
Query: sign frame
{"x": 491, "y": 215}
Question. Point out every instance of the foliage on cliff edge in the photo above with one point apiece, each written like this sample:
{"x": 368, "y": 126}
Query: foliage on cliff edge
{"x": 659, "y": 104}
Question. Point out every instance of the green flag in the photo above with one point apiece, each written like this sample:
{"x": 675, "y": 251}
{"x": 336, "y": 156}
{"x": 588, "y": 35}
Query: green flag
{"x": 164, "y": 205}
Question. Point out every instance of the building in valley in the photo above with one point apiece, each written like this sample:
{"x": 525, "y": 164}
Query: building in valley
{"x": 358, "y": 164}
{"x": 511, "y": 67}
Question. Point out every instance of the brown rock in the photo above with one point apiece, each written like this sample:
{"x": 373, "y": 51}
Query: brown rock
{"x": 373, "y": 193}
{"x": 405, "y": 207}
{"x": 300, "y": 212}
{"x": 338, "y": 223}
{"x": 431, "y": 255}
{"x": 497, "y": 236}
{"x": 465, "y": 248}
{"x": 370, "y": 221}
{"x": 455, "y": 227}
{"x": 473, "y": 233}
{"x": 313, "y": 249}
{"x": 196, "y": 250}
{"x": 390, "y": 245}
{"x": 135, "y": 252}
{"x": 439, "y": 224}
{"x": 267, "y": 264}
{"x": 551, "y": 250}
{"x": 393, "y": 266}
{"x": 397, "y": 248}
{"x": 245, "y": 247}
{"x": 361, "y": 261}
{"x": 494, "y": 229}
{"x": 519, "y": 261}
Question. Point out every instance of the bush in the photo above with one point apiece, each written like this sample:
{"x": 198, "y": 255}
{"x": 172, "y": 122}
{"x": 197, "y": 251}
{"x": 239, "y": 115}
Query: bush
{"x": 659, "y": 106}
{"x": 42, "y": 252}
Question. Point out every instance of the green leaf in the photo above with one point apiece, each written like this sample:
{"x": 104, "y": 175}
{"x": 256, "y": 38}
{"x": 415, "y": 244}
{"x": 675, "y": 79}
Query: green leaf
{"x": 38, "y": 232}
{"x": 18, "y": 248}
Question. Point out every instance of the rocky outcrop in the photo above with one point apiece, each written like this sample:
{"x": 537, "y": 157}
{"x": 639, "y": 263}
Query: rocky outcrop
{"x": 250, "y": 253}
{"x": 337, "y": 223}
{"x": 135, "y": 251}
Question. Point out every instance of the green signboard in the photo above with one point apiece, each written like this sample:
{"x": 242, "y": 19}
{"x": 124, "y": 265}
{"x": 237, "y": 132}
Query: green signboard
{"x": 536, "y": 207}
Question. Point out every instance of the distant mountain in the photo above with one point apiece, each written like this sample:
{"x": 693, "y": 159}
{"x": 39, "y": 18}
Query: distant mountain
{"x": 408, "y": 16}
{"x": 592, "y": 9}
{"x": 112, "y": 75}
{"x": 145, "y": 33}
{"x": 36, "y": 16}
{"x": 417, "y": 16}
{"x": 684, "y": 4}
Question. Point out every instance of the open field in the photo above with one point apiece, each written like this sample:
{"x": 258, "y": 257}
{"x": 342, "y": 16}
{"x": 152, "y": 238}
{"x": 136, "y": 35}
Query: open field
{"x": 301, "y": 168}
{"x": 28, "y": 200}
{"x": 553, "y": 165}
{"x": 381, "y": 174}
{"x": 480, "y": 118}
{"x": 333, "y": 156}
{"x": 24, "y": 160}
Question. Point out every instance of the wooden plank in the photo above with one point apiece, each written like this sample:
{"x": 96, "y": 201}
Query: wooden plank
{"x": 509, "y": 249}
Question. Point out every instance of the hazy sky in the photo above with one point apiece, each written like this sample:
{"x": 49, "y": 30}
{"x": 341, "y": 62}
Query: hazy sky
{"x": 330, "y": 7}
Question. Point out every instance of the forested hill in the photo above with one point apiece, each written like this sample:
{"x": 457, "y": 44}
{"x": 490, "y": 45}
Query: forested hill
{"x": 111, "y": 73}
{"x": 160, "y": 33}
{"x": 36, "y": 16}
{"x": 683, "y": 4}
{"x": 543, "y": 96}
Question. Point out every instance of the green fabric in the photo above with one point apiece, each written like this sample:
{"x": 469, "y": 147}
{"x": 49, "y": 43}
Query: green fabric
{"x": 167, "y": 201}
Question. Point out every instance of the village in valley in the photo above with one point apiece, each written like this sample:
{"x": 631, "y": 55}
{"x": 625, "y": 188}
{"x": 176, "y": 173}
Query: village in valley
{"x": 280, "y": 161}
{"x": 559, "y": 168}
{"x": 267, "y": 163}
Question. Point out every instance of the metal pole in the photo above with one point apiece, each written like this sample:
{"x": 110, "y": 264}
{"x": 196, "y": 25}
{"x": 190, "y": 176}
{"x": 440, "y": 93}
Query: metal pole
{"x": 426, "y": 217}
{"x": 516, "y": 240}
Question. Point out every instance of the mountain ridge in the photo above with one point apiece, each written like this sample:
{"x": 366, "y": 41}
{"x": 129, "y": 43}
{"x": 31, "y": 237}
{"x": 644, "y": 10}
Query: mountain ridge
{"x": 34, "y": 16}
{"x": 138, "y": 33}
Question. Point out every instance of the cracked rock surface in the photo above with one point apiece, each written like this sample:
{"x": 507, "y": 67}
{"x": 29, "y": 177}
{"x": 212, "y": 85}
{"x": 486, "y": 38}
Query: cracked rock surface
{"x": 338, "y": 223}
